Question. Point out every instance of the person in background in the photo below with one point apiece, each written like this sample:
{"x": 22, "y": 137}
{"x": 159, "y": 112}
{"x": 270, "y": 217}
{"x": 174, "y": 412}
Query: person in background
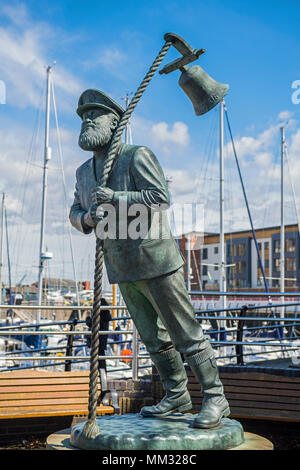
{"x": 105, "y": 318}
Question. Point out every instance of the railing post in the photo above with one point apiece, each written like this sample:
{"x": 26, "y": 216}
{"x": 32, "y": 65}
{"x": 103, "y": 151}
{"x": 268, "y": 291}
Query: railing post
{"x": 135, "y": 371}
{"x": 68, "y": 363}
{"x": 239, "y": 349}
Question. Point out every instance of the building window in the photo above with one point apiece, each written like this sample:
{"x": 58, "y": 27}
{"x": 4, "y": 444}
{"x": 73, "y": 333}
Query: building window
{"x": 204, "y": 270}
{"x": 242, "y": 249}
{"x": 204, "y": 253}
{"x": 291, "y": 264}
{"x": 277, "y": 246}
{"x": 290, "y": 244}
{"x": 266, "y": 246}
{"x": 277, "y": 264}
{"x": 216, "y": 250}
{"x": 216, "y": 267}
{"x": 266, "y": 263}
{"x": 241, "y": 267}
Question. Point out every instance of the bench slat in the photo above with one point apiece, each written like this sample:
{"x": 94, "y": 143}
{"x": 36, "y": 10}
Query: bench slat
{"x": 39, "y": 373}
{"x": 283, "y": 393}
{"x": 42, "y": 393}
{"x": 295, "y": 408}
{"x": 45, "y": 388}
{"x": 38, "y": 412}
{"x": 42, "y": 402}
{"x": 42, "y": 381}
{"x": 260, "y": 377}
{"x": 8, "y": 397}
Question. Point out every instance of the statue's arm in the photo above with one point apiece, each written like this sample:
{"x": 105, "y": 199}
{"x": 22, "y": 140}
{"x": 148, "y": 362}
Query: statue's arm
{"x": 150, "y": 183}
{"x": 77, "y": 214}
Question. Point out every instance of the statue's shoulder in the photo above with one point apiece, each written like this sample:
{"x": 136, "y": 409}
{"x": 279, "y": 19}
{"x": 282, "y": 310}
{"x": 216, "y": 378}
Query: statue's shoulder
{"x": 84, "y": 167}
{"x": 137, "y": 153}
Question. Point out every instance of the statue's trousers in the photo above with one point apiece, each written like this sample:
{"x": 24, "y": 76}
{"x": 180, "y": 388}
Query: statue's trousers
{"x": 163, "y": 314}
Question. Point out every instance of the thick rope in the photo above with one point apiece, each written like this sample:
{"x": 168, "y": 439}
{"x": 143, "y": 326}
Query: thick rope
{"x": 91, "y": 429}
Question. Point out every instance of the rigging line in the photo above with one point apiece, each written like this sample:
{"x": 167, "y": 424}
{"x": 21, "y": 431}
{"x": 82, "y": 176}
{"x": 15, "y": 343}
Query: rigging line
{"x": 246, "y": 201}
{"x": 8, "y": 255}
{"x": 64, "y": 187}
{"x": 229, "y": 191}
{"x": 228, "y": 206}
{"x": 206, "y": 153}
{"x": 279, "y": 331}
{"x": 19, "y": 237}
{"x": 30, "y": 151}
{"x": 211, "y": 148}
{"x": 208, "y": 163}
{"x": 264, "y": 223}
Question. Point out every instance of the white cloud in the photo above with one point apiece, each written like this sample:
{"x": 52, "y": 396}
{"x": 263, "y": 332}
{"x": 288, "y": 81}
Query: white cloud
{"x": 284, "y": 115}
{"x": 249, "y": 146}
{"x": 162, "y": 137}
{"x": 165, "y": 134}
{"x": 110, "y": 57}
{"x": 23, "y": 57}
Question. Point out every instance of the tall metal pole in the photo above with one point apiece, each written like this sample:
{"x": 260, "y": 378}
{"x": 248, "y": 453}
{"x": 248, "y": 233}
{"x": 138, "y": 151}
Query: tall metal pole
{"x": 8, "y": 258}
{"x": 47, "y": 156}
{"x": 282, "y": 235}
{"x": 65, "y": 193}
{"x": 1, "y": 244}
{"x": 189, "y": 262}
{"x": 222, "y": 274}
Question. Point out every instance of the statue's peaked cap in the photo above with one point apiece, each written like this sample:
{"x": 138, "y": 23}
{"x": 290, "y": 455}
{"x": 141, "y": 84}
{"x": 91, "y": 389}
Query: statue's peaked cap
{"x": 90, "y": 99}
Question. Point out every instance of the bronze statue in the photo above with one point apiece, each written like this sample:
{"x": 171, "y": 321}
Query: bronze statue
{"x": 148, "y": 269}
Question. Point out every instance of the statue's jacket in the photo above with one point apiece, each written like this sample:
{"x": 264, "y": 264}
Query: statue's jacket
{"x": 136, "y": 178}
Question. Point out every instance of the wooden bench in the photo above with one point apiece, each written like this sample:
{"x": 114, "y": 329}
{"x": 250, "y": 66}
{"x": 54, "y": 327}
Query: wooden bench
{"x": 30, "y": 394}
{"x": 256, "y": 393}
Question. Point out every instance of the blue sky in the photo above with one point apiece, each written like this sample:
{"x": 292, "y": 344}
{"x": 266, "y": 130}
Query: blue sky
{"x": 254, "y": 46}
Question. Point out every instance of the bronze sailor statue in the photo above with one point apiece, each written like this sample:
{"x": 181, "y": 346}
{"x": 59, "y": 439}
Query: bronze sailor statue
{"x": 149, "y": 268}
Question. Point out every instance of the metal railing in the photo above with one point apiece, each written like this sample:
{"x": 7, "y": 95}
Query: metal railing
{"x": 283, "y": 342}
{"x": 39, "y": 330}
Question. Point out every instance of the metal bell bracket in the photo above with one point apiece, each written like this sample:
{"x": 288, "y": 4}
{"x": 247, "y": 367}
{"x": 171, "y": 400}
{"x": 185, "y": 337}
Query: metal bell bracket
{"x": 188, "y": 53}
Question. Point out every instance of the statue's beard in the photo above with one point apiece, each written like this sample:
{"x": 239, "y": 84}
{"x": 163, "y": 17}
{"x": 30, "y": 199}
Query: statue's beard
{"x": 93, "y": 139}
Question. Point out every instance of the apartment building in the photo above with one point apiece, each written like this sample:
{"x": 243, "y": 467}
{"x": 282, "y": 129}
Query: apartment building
{"x": 243, "y": 269}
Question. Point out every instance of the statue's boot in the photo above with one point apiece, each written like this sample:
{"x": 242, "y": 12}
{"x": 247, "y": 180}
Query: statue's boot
{"x": 214, "y": 404}
{"x": 174, "y": 379}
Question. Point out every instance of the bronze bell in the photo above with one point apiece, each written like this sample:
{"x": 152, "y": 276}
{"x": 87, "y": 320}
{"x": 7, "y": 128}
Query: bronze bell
{"x": 204, "y": 92}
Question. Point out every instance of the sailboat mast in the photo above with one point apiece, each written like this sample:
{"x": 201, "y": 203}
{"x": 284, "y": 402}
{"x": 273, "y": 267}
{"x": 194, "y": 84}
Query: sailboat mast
{"x": 1, "y": 244}
{"x": 189, "y": 262}
{"x": 47, "y": 156}
{"x": 282, "y": 235}
{"x": 8, "y": 257}
{"x": 222, "y": 278}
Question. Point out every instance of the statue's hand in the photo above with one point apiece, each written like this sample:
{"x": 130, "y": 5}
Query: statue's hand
{"x": 93, "y": 216}
{"x": 102, "y": 195}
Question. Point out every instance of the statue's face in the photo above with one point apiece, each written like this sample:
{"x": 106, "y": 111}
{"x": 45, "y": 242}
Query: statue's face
{"x": 96, "y": 129}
